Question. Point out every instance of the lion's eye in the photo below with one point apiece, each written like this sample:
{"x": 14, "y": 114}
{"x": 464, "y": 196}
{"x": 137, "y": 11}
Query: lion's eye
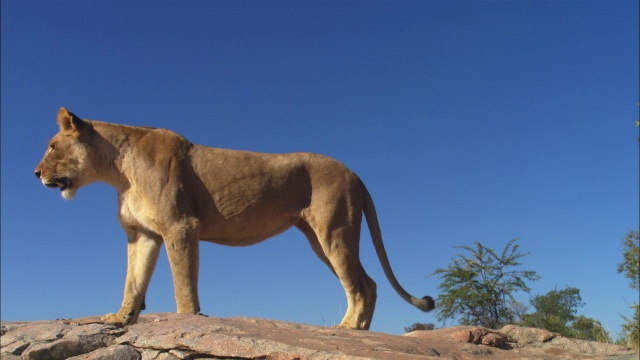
{"x": 52, "y": 147}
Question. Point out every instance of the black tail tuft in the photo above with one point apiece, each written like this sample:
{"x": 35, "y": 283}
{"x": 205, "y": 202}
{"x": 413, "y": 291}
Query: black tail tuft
{"x": 424, "y": 304}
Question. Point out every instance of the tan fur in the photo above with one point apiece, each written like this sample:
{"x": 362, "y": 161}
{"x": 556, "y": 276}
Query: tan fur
{"x": 175, "y": 192}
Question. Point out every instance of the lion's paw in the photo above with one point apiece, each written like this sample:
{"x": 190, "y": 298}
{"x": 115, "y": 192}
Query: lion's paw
{"x": 112, "y": 319}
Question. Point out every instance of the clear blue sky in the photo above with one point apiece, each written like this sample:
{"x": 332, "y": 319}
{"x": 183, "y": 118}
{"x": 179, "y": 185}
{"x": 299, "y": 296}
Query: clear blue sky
{"x": 468, "y": 121}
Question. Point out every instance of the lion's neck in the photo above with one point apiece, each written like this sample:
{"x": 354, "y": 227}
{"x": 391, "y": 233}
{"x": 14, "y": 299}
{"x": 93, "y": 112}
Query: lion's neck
{"x": 116, "y": 144}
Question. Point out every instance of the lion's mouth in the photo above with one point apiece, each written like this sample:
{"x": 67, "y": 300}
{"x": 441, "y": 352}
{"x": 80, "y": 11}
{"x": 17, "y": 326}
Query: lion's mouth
{"x": 63, "y": 183}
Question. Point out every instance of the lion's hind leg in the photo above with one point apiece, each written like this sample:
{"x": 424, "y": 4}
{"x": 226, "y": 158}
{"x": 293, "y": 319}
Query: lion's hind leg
{"x": 360, "y": 290}
{"x": 340, "y": 251}
{"x": 315, "y": 244}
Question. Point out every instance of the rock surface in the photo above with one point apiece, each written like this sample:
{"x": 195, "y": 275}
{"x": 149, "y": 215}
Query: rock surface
{"x": 168, "y": 336}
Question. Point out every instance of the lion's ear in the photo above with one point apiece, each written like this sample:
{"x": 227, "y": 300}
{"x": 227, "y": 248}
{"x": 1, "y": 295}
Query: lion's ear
{"x": 69, "y": 122}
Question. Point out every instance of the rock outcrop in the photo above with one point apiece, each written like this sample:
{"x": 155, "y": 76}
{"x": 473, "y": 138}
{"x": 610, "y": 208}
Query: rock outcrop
{"x": 168, "y": 336}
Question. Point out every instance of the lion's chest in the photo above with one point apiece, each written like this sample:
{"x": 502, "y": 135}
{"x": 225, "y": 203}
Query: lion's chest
{"x": 135, "y": 211}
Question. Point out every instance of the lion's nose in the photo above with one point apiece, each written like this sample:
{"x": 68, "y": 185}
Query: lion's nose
{"x": 38, "y": 173}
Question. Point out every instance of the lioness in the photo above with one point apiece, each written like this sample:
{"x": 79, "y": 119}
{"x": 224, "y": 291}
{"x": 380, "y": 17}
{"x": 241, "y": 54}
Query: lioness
{"x": 176, "y": 192}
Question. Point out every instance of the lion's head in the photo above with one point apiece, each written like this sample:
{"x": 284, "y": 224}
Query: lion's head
{"x": 67, "y": 164}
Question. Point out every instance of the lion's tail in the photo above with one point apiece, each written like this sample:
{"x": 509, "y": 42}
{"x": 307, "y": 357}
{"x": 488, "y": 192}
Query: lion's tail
{"x": 424, "y": 304}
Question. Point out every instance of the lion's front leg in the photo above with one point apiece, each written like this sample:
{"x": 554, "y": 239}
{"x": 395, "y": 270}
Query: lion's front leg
{"x": 143, "y": 251}
{"x": 183, "y": 252}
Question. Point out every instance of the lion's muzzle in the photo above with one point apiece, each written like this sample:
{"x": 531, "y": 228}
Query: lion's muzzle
{"x": 63, "y": 183}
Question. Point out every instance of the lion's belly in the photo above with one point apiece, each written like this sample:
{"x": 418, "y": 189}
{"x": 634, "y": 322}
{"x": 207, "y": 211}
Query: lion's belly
{"x": 244, "y": 230}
